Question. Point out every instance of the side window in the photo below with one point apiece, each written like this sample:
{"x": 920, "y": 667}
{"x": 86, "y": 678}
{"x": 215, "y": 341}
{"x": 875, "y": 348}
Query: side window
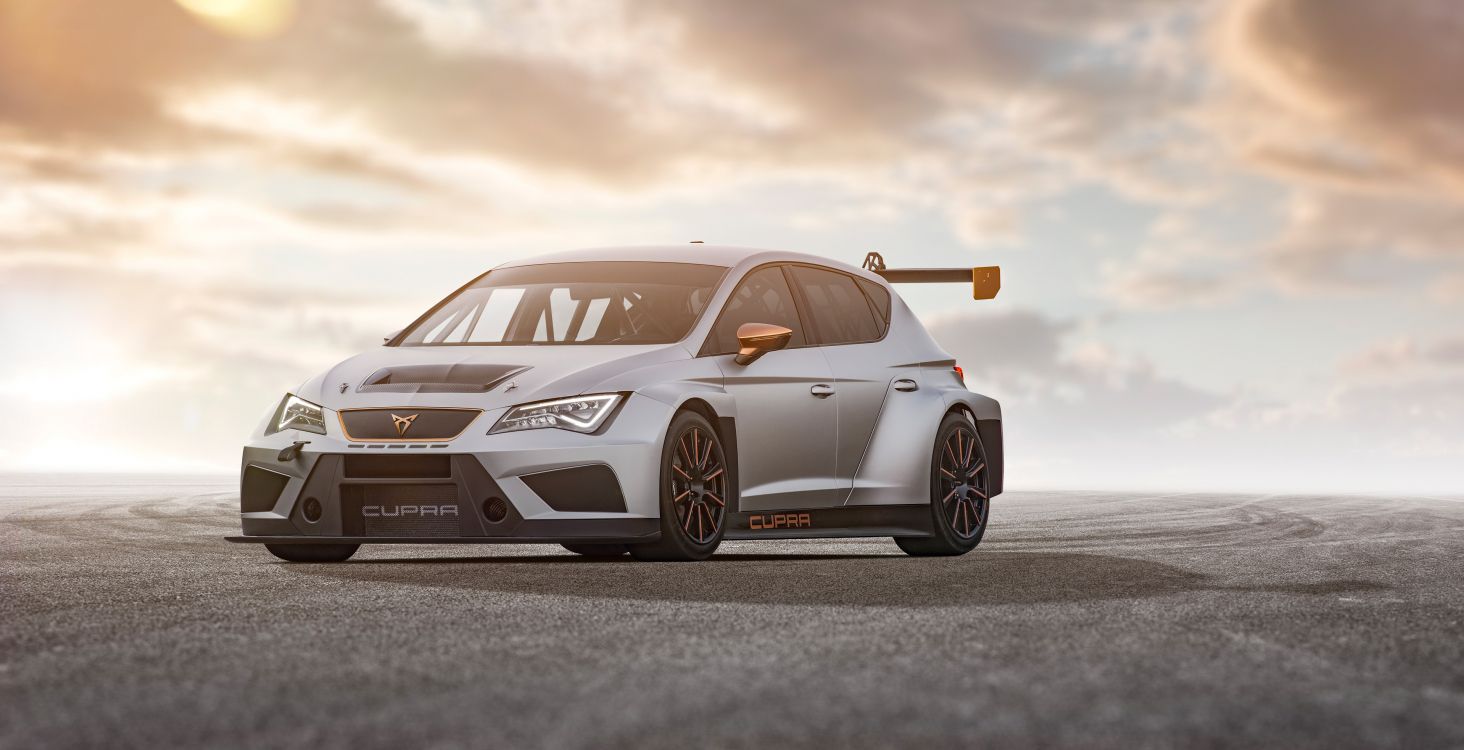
{"x": 840, "y": 312}
{"x": 880, "y": 298}
{"x": 762, "y": 297}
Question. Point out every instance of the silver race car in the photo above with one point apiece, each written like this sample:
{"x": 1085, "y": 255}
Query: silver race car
{"x": 650, "y": 400}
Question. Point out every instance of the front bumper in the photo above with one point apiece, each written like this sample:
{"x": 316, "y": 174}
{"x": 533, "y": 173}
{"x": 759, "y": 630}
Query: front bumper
{"x": 532, "y": 486}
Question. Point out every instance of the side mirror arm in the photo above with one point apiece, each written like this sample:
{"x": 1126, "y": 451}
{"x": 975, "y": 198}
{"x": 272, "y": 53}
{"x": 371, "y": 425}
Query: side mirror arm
{"x": 747, "y": 356}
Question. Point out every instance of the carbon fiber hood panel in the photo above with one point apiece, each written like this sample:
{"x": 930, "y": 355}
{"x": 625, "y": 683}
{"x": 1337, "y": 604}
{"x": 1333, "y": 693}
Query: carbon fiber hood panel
{"x": 483, "y": 377}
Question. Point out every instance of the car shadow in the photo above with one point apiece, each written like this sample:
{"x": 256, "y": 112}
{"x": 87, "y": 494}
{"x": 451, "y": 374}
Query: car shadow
{"x": 980, "y": 578}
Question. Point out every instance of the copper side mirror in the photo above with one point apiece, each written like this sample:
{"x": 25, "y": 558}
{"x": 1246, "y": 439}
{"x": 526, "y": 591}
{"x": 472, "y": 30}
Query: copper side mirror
{"x": 757, "y": 339}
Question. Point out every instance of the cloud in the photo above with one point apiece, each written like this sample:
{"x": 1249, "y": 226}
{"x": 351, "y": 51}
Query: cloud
{"x": 1407, "y": 357}
{"x": 728, "y": 90}
{"x": 1350, "y": 241}
{"x": 1169, "y": 289}
{"x": 1382, "y": 76}
{"x": 1078, "y": 413}
{"x": 1387, "y": 416}
{"x": 994, "y": 105}
{"x": 69, "y": 74}
{"x": 1357, "y": 106}
{"x": 160, "y": 173}
{"x": 1024, "y": 342}
{"x": 1448, "y": 289}
{"x": 1042, "y": 368}
{"x": 170, "y": 371}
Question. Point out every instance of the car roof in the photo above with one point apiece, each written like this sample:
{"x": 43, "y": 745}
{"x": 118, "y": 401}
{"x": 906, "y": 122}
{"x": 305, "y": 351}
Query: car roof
{"x": 712, "y": 255}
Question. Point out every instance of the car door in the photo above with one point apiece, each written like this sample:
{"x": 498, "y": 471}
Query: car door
{"x": 849, "y": 329}
{"x": 785, "y": 408}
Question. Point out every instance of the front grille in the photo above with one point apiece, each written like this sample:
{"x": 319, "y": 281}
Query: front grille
{"x": 410, "y": 425}
{"x": 398, "y": 467}
{"x": 402, "y": 510}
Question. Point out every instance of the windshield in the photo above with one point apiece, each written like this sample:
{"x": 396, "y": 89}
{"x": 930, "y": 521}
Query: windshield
{"x": 572, "y": 303}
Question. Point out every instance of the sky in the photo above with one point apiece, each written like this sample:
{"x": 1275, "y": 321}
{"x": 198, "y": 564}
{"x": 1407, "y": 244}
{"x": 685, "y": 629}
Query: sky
{"x": 1231, "y": 233}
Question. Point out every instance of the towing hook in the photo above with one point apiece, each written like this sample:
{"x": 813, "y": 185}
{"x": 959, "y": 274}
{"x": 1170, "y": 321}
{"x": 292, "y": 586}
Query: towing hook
{"x": 293, "y": 452}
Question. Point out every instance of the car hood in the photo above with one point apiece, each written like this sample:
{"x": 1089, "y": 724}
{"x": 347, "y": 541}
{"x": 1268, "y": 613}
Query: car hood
{"x": 483, "y": 377}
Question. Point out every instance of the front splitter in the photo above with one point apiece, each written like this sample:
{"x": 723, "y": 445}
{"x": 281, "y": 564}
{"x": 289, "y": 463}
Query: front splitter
{"x": 443, "y": 539}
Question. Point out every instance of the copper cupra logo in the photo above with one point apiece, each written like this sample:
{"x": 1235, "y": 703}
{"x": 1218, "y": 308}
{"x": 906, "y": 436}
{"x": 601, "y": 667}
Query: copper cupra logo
{"x": 402, "y": 424}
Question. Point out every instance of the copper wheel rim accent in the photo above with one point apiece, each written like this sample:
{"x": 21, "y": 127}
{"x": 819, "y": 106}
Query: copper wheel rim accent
{"x": 962, "y": 483}
{"x": 698, "y": 485}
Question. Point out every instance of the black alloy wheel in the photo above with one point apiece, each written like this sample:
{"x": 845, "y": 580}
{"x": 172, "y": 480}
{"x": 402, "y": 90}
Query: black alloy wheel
{"x": 960, "y": 485}
{"x": 698, "y": 484}
{"x": 694, "y": 492}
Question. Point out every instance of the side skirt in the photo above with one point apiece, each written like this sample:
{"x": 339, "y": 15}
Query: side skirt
{"x": 822, "y": 523}
{"x": 295, "y": 539}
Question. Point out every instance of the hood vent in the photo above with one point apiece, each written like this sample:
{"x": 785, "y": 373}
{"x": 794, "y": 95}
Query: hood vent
{"x": 438, "y": 378}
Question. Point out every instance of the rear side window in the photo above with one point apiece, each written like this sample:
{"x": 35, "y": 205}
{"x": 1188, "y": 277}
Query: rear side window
{"x": 762, "y": 297}
{"x": 880, "y": 298}
{"x": 841, "y": 313}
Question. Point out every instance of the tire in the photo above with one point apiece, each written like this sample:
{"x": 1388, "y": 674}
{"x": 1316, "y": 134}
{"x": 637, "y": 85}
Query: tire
{"x": 596, "y": 550}
{"x": 317, "y": 553}
{"x": 695, "y": 493}
{"x": 959, "y": 509}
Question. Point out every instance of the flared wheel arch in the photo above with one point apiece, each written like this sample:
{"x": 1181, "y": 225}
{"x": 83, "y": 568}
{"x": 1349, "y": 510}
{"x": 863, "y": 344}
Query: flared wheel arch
{"x": 683, "y": 462}
{"x": 990, "y": 432}
{"x": 726, "y": 431}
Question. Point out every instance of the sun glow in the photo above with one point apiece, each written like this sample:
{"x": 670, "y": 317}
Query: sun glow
{"x": 247, "y": 18}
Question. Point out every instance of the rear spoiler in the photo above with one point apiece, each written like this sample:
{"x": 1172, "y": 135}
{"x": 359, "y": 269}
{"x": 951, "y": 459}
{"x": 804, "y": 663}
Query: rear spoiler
{"x": 985, "y": 280}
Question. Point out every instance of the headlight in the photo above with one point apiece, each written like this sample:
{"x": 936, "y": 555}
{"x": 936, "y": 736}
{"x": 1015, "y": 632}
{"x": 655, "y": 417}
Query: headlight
{"x": 581, "y": 414}
{"x": 296, "y": 413}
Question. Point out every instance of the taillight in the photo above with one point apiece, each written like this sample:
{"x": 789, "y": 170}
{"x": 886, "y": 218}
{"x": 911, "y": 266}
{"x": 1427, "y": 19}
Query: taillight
{"x": 960, "y": 374}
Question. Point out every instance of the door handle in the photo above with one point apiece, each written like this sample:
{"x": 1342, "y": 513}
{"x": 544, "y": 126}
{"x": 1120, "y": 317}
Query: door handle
{"x": 905, "y": 385}
{"x": 821, "y": 391}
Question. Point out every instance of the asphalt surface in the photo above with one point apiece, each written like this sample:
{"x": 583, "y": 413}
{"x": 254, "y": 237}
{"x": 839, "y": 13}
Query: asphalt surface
{"x": 1083, "y": 620}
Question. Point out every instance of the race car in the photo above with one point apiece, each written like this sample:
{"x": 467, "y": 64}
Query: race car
{"x": 645, "y": 400}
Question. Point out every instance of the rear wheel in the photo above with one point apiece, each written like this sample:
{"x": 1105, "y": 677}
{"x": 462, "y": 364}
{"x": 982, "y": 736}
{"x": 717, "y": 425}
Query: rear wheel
{"x": 694, "y": 493}
{"x": 596, "y": 550}
{"x": 960, "y": 490}
{"x": 313, "y": 552}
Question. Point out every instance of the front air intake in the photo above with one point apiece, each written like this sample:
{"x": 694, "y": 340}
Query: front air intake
{"x": 398, "y": 467}
{"x": 591, "y": 489}
{"x": 260, "y": 488}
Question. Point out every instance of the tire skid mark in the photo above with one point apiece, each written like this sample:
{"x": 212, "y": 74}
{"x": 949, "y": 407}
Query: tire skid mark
{"x": 124, "y": 525}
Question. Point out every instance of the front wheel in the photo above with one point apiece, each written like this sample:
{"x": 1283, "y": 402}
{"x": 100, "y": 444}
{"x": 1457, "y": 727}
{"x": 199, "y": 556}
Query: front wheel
{"x": 326, "y": 553}
{"x": 960, "y": 490}
{"x": 694, "y": 493}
